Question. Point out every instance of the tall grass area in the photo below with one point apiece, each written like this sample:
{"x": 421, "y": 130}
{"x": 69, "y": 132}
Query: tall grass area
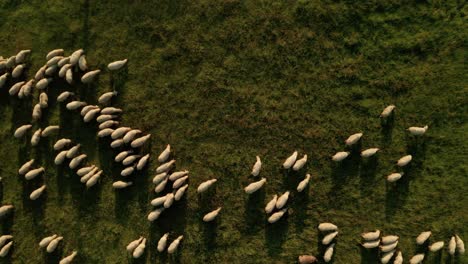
{"x": 224, "y": 81}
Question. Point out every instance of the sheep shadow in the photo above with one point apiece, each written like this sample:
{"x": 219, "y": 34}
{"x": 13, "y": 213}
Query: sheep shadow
{"x": 343, "y": 171}
{"x": 386, "y": 131}
{"x": 54, "y": 257}
{"x": 396, "y": 193}
{"x": 369, "y": 256}
{"x": 367, "y": 174}
{"x": 117, "y": 82}
{"x": 299, "y": 205}
{"x": 254, "y": 214}
{"x": 276, "y": 235}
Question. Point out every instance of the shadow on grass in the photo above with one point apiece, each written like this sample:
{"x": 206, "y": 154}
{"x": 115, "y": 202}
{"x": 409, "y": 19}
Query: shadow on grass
{"x": 386, "y": 131}
{"x": 299, "y": 205}
{"x": 396, "y": 194}
{"x": 369, "y": 256}
{"x": 367, "y": 174}
{"x": 343, "y": 171}
{"x": 54, "y": 257}
{"x": 276, "y": 235}
{"x": 254, "y": 215}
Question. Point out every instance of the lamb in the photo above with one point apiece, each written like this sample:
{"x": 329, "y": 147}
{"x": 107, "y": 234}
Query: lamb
{"x": 165, "y": 167}
{"x": 369, "y": 152}
{"x": 271, "y": 204}
{"x": 303, "y": 184}
{"x": 10, "y": 62}
{"x": 174, "y": 245}
{"x": 329, "y": 238}
{"x": 142, "y": 162}
{"x": 180, "y": 192}
{"x": 75, "y": 162}
{"x": 20, "y": 131}
{"x": 327, "y": 256}
{"x": 289, "y": 162}
{"x": 25, "y": 167}
{"x": 353, "y": 139}
{"x": 300, "y": 163}
{"x": 165, "y": 154}
{"x": 117, "y": 65}
{"x": 339, "y": 156}
{"x": 37, "y": 193}
{"x": 204, "y": 186}
{"x": 256, "y": 167}
{"x": 34, "y": 173}
{"x": 211, "y": 215}
{"x": 106, "y": 97}
{"x": 282, "y": 200}
{"x": 140, "y": 141}
{"x": 121, "y": 184}
{"x": 277, "y": 216}
{"x": 404, "y": 160}
{"x": 255, "y": 186}
{"x": 140, "y": 249}
{"x": 418, "y": 131}
{"x": 90, "y": 76}
{"x": 162, "y": 243}
{"x": 49, "y": 130}
{"x": 154, "y": 215}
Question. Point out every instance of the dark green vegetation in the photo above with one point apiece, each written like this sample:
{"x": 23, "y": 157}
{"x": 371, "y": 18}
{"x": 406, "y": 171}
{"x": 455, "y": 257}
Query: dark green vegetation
{"x": 223, "y": 81}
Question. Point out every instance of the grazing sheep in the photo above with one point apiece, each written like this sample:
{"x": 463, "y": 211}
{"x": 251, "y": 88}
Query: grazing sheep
{"x": 46, "y": 240}
{"x": 68, "y": 259}
{"x": 371, "y": 235}
{"x": 104, "y": 118}
{"x": 159, "y": 177}
{"x": 75, "y": 105}
{"x": 418, "y": 131}
{"x": 120, "y": 132}
{"x": 256, "y": 167}
{"x": 122, "y": 155}
{"x": 69, "y": 76}
{"x": 134, "y": 244}
{"x": 177, "y": 175}
{"x": 282, "y": 200}
{"x": 34, "y": 173}
{"x": 404, "y": 161}
{"x": 387, "y": 256}
{"x": 300, "y": 163}
{"x": 395, "y": 176}
{"x": 327, "y": 256}
{"x": 53, "y": 61}
{"x": 307, "y": 259}
{"x": 50, "y": 70}
{"x": 63, "y": 61}
{"x": 452, "y": 246}
{"x": 204, "y": 186}
{"x": 460, "y": 245}
{"x": 166, "y": 166}
{"x": 140, "y": 249}
{"x": 371, "y": 244}
{"x": 82, "y": 63}
{"x": 325, "y": 227}
{"x": 121, "y": 184}
{"x": 127, "y": 171}
{"x": 130, "y": 135}
{"x": 20, "y": 131}
{"x": 54, "y": 53}
{"x": 369, "y": 152}
{"x": 130, "y": 159}
{"x": 165, "y": 154}
{"x": 389, "y": 247}
{"x": 3, "y": 79}
{"x": 25, "y": 167}
{"x": 63, "y": 70}
{"x": 111, "y": 110}
{"x": 117, "y": 143}
{"x": 211, "y": 215}
{"x": 75, "y": 56}
{"x": 10, "y": 62}
{"x": 136, "y": 143}
{"x": 106, "y": 97}
{"x": 289, "y": 162}
{"x": 43, "y": 83}
{"x": 4, "y": 239}
{"x": 436, "y": 246}
{"x": 17, "y": 71}
{"x": 169, "y": 200}
{"x": 64, "y": 96}
{"x": 37, "y": 112}
{"x": 93, "y": 180}
{"x": 271, "y": 205}
{"x": 91, "y": 115}
{"x": 353, "y": 139}
{"x": 255, "y": 186}
{"x": 417, "y": 259}
{"x": 109, "y": 123}
{"x": 73, "y": 152}
{"x": 158, "y": 200}
{"x": 174, "y": 245}
{"x": 6, "y": 249}
{"x": 117, "y": 65}
{"x": 154, "y": 215}
{"x": 40, "y": 73}
{"x": 60, "y": 158}
{"x": 329, "y": 238}
{"x": 85, "y": 178}
{"x": 5, "y": 209}
{"x": 160, "y": 187}
{"x": 61, "y": 143}
{"x": 142, "y": 162}
{"x": 49, "y": 130}
{"x": 277, "y": 216}
{"x": 87, "y": 108}
{"x": 398, "y": 258}
{"x": 105, "y": 132}
{"x": 16, "y": 87}
{"x": 37, "y": 193}
{"x": 90, "y": 76}
{"x": 83, "y": 171}
{"x": 389, "y": 239}
{"x": 53, "y": 244}
{"x": 180, "y": 192}
{"x": 76, "y": 161}
{"x": 162, "y": 243}
{"x": 303, "y": 184}
{"x": 21, "y": 56}
{"x": 339, "y": 156}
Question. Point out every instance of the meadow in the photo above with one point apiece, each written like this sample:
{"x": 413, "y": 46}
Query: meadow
{"x": 224, "y": 81}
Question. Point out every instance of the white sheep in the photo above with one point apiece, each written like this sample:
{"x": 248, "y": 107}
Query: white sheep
{"x": 165, "y": 154}
{"x": 76, "y": 161}
{"x": 53, "y": 61}
{"x": 353, "y": 139}
{"x": 289, "y": 162}
{"x": 4, "y": 239}
{"x": 255, "y": 186}
{"x": 15, "y": 88}
{"x": 211, "y": 215}
{"x": 159, "y": 177}
{"x": 404, "y": 160}
{"x": 91, "y": 115}
{"x": 325, "y": 227}
{"x": 40, "y": 73}
{"x": 282, "y": 200}
{"x": 33, "y": 173}
{"x": 37, "y": 112}
{"x": 43, "y": 83}
{"x": 68, "y": 259}
{"x": 303, "y": 184}
{"x": 142, "y": 162}
{"x": 158, "y": 200}
{"x": 460, "y": 245}
{"x": 329, "y": 238}
{"x": 121, "y": 184}
{"x": 117, "y": 65}
{"x": 5, "y": 209}
{"x": 117, "y": 143}
{"x": 73, "y": 152}
{"x": 174, "y": 245}
{"x": 436, "y": 246}
{"x": 10, "y": 62}
{"x": 122, "y": 155}
{"x": 63, "y": 70}
{"x": 105, "y": 132}
{"x": 111, "y": 110}
{"x": 85, "y": 178}
{"x": 339, "y": 156}
{"x": 130, "y": 135}
{"x": 75, "y": 56}
{"x": 120, "y": 132}
{"x": 136, "y": 143}
{"x": 388, "y": 247}
{"x": 64, "y": 96}
{"x": 53, "y": 53}
{"x": 327, "y": 256}
{"x": 277, "y": 216}
{"x": 307, "y": 259}
{"x": 162, "y": 243}
{"x": 90, "y": 76}
{"x": 50, "y": 70}
{"x": 25, "y": 167}
{"x": 130, "y": 159}
{"x": 46, "y": 240}
{"x": 104, "y": 118}
{"x": 371, "y": 235}
{"x": 389, "y": 239}
{"x": 63, "y": 61}
{"x": 160, "y": 187}
{"x": 87, "y": 108}
{"x": 452, "y": 246}
{"x": 386, "y": 256}
{"x": 180, "y": 192}
{"x": 417, "y": 259}
{"x": 69, "y": 76}
{"x": 395, "y": 176}
{"x": 53, "y": 244}
{"x": 300, "y": 163}
{"x": 165, "y": 167}
{"x": 5, "y": 249}
{"x": 49, "y": 130}
{"x": 106, "y": 97}
{"x": 127, "y": 171}
{"x": 83, "y": 171}
{"x": 270, "y": 206}
{"x": 17, "y": 71}
{"x": 204, "y": 186}
{"x": 140, "y": 249}
{"x": 75, "y": 105}
{"x": 3, "y": 79}
{"x": 398, "y": 258}
{"x": 134, "y": 244}
{"x": 60, "y": 158}
{"x": 369, "y": 152}
{"x": 82, "y": 63}
{"x": 37, "y": 193}
{"x": 169, "y": 200}
{"x": 21, "y": 56}
{"x": 108, "y": 123}
{"x": 20, "y": 131}
{"x": 371, "y": 244}
{"x": 418, "y": 131}
{"x": 93, "y": 180}
{"x": 256, "y": 167}
{"x": 154, "y": 215}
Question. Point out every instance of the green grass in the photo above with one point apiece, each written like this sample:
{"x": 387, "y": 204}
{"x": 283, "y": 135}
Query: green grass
{"x": 223, "y": 81}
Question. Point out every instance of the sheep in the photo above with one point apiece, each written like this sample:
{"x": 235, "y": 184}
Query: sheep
{"x": 353, "y": 139}
{"x": 389, "y": 247}
{"x": 386, "y": 256}
{"x": 282, "y": 200}
{"x": 339, "y": 156}
{"x": 93, "y": 180}
{"x": 25, "y": 167}
{"x": 270, "y": 206}
{"x": 389, "y": 239}
{"x": 122, "y": 155}
{"x": 87, "y": 108}
{"x": 289, "y": 162}
{"x": 109, "y": 123}
{"x": 136, "y": 143}
{"x": 327, "y": 256}
{"x": 211, "y": 215}
{"x": 85, "y": 178}
{"x": 69, "y": 76}
{"x": 61, "y": 143}
{"x": 159, "y": 177}
{"x": 53, "y": 244}
{"x": 63, "y": 70}
{"x": 36, "y": 137}
{"x": 325, "y": 227}
{"x": 371, "y": 235}
{"x": 53, "y": 61}
{"x": 256, "y": 167}
{"x": 106, "y": 97}
{"x": 130, "y": 135}
{"x": 460, "y": 245}
{"x": 73, "y": 105}
{"x": 277, "y": 216}
{"x": 369, "y": 152}
{"x": 127, "y": 171}
{"x": 43, "y": 100}
{"x": 2, "y": 63}
{"x": 140, "y": 249}
{"x": 371, "y": 244}
{"x": 134, "y": 244}
{"x": 5, "y": 249}
{"x": 105, "y": 132}
{"x": 5, "y": 209}
{"x": 104, "y": 118}
{"x": 3, "y": 79}
{"x": 34, "y": 173}
{"x": 15, "y": 88}
{"x": 307, "y": 259}
{"x": 418, "y": 131}
{"x": 20, "y": 131}
{"x": 68, "y": 259}
{"x": 255, "y": 186}
{"x": 300, "y": 163}
{"x": 85, "y": 170}
{"x": 63, "y": 61}
{"x": 398, "y": 258}
{"x": 160, "y": 187}
{"x": 142, "y": 162}
{"x": 154, "y": 215}
{"x": 417, "y": 259}
{"x": 37, "y": 193}
{"x": 121, "y": 184}
{"x": 82, "y": 63}
{"x": 76, "y": 161}
{"x": 174, "y": 245}
{"x": 27, "y": 88}
{"x": 162, "y": 243}
{"x": 40, "y": 73}
{"x": 64, "y": 96}
{"x": 4, "y": 239}
{"x": 37, "y": 112}
{"x": 117, "y": 143}
{"x": 117, "y": 65}
{"x": 204, "y": 186}
{"x": 436, "y": 246}
{"x": 165, "y": 154}
{"x": 50, "y": 70}
{"x": 452, "y": 246}
{"x": 158, "y": 200}
{"x": 60, "y": 158}
{"x": 17, "y": 71}
{"x": 111, "y": 110}
{"x": 165, "y": 167}
{"x": 404, "y": 161}
{"x": 130, "y": 159}
{"x": 49, "y": 130}
{"x": 120, "y": 132}
{"x": 53, "y": 53}
{"x": 329, "y": 238}
{"x": 10, "y": 62}
{"x": 75, "y": 56}
{"x": 395, "y": 176}
{"x": 303, "y": 184}
{"x": 43, "y": 83}
{"x": 169, "y": 200}
{"x": 90, "y": 76}
{"x": 46, "y": 240}
{"x": 180, "y": 192}
{"x": 21, "y": 56}
{"x": 91, "y": 115}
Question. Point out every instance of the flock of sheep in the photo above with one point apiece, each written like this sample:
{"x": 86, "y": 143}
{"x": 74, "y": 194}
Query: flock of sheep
{"x": 170, "y": 186}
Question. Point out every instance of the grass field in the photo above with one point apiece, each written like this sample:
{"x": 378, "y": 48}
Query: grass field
{"x": 223, "y": 81}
